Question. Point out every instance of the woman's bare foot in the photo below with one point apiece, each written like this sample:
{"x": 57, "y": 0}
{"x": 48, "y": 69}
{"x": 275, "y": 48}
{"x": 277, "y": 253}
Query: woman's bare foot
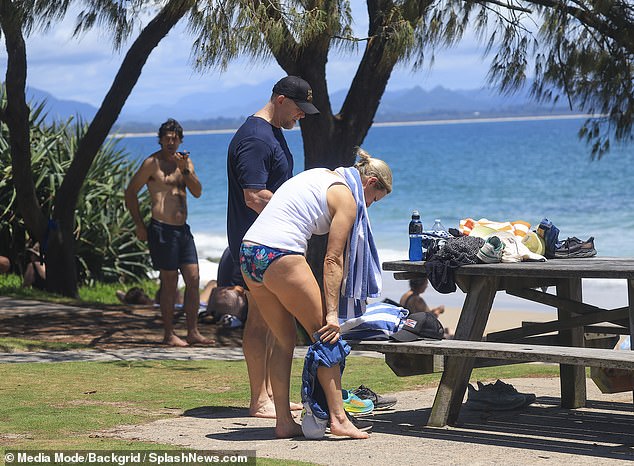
{"x": 173, "y": 340}
{"x": 264, "y": 410}
{"x": 289, "y": 430}
{"x": 345, "y": 428}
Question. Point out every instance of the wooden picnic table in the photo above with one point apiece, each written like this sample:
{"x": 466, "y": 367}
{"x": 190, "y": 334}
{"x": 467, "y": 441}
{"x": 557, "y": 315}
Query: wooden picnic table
{"x": 528, "y": 280}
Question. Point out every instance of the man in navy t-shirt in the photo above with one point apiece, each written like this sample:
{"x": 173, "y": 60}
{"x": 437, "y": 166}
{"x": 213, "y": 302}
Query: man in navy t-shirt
{"x": 258, "y": 162}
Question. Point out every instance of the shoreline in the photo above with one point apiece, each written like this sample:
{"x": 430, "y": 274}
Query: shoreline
{"x": 451, "y": 121}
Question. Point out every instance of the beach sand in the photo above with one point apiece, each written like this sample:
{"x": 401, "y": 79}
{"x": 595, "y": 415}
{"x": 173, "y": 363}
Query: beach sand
{"x": 502, "y": 317}
{"x": 509, "y": 311}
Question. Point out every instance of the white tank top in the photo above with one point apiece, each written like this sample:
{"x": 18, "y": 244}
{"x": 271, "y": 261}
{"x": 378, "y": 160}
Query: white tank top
{"x": 297, "y": 210}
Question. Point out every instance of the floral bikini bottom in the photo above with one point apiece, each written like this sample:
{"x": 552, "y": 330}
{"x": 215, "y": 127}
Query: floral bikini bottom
{"x": 256, "y": 258}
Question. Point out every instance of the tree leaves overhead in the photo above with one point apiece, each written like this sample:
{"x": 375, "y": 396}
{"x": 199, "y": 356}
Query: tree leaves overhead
{"x": 120, "y": 17}
{"x": 227, "y": 29}
{"x": 576, "y": 50}
{"x": 38, "y": 14}
{"x": 590, "y": 62}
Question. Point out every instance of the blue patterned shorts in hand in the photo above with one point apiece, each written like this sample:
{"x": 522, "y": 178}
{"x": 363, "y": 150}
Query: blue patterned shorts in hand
{"x": 256, "y": 258}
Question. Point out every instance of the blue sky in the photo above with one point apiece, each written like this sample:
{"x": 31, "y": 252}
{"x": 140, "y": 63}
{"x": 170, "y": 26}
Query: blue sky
{"x": 83, "y": 70}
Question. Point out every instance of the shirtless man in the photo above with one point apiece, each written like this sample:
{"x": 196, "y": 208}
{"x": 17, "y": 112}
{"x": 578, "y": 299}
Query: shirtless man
{"x": 168, "y": 174}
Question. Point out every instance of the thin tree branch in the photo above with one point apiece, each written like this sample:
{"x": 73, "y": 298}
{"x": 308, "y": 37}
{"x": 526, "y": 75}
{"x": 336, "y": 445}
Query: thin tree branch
{"x": 618, "y": 28}
{"x": 504, "y": 5}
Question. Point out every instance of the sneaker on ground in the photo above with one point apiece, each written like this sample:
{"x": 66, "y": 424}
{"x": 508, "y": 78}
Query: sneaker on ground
{"x": 508, "y": 388}
{"x": 355, "y": 405}
{"x": 380, "y": 401}
{"x": 489, "y": 398}
{"x": 491, "y": 251}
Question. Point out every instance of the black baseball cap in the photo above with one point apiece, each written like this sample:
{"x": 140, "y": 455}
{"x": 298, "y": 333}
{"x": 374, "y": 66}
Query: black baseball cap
{"x": 299, "y": 91}
{"x": 418, "y": 326}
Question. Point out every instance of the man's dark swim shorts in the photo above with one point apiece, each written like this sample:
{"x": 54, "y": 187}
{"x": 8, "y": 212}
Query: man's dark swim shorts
{"x": 170, "y": 245}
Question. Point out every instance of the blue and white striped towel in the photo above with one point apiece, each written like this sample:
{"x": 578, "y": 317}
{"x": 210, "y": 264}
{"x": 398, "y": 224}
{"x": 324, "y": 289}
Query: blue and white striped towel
{"x": 362, "y": 268}
{"x": 379, "y": 322}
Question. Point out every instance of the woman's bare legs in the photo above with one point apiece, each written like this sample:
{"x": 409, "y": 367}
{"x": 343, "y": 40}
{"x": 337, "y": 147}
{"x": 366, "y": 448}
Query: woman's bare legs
{"x": 282, "y": 325}
{"x": 290, "y": 281}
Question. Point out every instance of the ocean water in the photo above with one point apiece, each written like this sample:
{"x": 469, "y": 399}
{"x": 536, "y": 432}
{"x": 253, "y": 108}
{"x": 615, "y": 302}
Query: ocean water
{"x": 499, "y": 170}
{"x": 505, "y": 170}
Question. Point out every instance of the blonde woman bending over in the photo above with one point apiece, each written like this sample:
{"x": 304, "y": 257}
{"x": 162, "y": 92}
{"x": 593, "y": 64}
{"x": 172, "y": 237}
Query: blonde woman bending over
{"x": 273, "y": 263}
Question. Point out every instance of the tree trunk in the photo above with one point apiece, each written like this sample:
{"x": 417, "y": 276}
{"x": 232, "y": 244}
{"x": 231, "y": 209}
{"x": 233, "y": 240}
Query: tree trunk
{"x": 330, "y": 139}
{"x": 61, "y": 263}
{"x": 16, "y": 117}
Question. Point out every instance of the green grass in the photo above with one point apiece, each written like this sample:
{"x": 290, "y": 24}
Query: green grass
{"x": 11, "y": 345}
{"x": 93, "y": 295}
{"x": 65, "y": 405}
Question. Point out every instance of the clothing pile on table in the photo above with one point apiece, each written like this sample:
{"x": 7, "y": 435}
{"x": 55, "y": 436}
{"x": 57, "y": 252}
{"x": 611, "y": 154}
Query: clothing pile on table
{"x": 487, "y": 242}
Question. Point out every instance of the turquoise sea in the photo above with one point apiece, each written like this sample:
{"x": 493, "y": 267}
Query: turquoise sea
{"x": 500, "y": 170}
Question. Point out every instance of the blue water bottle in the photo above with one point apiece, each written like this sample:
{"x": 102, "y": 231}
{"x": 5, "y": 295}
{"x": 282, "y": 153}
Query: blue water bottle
{"x": 415, "y": 237}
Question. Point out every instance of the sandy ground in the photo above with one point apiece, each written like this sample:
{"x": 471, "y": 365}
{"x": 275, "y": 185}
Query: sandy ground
{"x": 602, "y": 433}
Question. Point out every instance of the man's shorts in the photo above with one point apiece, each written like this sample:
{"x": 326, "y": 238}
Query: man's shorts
{"x": 170, "y": 245}
{"x": 229, "y": 273}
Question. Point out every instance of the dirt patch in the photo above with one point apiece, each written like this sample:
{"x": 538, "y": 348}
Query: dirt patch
{"x": 106, "y": 328}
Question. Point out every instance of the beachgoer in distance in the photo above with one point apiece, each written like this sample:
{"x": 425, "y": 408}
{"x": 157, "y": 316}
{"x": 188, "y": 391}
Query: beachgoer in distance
{"x": 168, "y": 175}
{"x": 35, "y": 270}
{"x": 258, "y": 162}
{"x": 5, "y": 264}
{"x": 414, "y": 302}
{"x": 206, "y": 292}
{"x": 228, "y": 300}
{"x": 273, "y": 263}
{"x": 134, "y": 296}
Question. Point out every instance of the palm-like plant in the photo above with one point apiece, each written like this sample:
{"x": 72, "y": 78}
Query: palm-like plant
{"x": 106, "y": 245}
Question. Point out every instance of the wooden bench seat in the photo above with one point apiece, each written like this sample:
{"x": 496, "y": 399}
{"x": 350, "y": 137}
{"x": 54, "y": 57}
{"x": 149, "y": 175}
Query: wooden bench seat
{"x": 588, "y": 357}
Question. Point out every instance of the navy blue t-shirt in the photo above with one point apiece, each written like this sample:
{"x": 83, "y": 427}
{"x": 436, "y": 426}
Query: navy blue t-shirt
{"x": 258, "y": 158}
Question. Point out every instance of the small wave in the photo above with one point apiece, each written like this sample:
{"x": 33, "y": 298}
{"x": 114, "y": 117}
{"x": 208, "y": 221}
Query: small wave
{"x": 388, "y": 255}
{"x": 210, "y": 246}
